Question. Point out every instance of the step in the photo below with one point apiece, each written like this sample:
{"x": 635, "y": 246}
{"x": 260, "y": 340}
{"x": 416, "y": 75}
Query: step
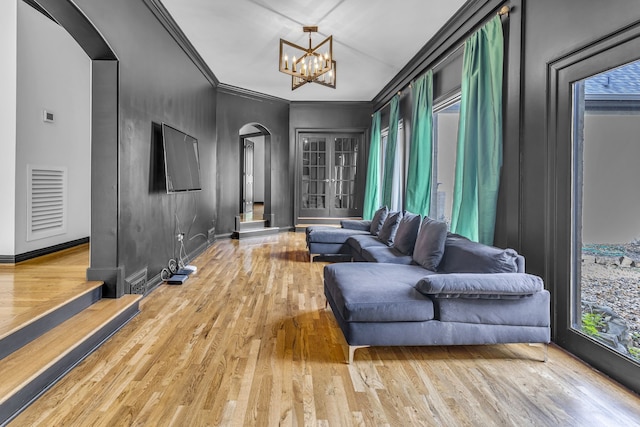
{"x": 252, "y": 224}
{"x": 30, "y": 371}
{"x": 243, "y": 234}
{"x": 56, "y": 307}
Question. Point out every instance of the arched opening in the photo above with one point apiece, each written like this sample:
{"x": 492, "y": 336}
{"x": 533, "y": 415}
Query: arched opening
{"x": 104, "y": 143}
{"x": 255, "y": 180}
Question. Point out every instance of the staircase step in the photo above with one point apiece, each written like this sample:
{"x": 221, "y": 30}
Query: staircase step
{"x": 31, "y": 370}
{"x": 56, "y": 308}
{"x": 252, "y": 224}
{"x": 243, "y": 234}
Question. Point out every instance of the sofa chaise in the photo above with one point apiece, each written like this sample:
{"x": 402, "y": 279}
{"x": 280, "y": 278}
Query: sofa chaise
{"x": 442, "y": 290}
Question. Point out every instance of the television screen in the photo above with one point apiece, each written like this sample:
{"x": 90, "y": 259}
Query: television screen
{"x": 181, "y": 165}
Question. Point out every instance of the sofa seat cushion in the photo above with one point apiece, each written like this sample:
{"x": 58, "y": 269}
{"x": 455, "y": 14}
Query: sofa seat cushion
{"x": 377, "y": 292}
{"x": 360, "y": 241}
{"x": 485, "y": 286}
{"x": 324, "y": 234}
{"x": 462, "y": 255}
{"x": 528, "y": 311}
{"x": 386, "y": 255}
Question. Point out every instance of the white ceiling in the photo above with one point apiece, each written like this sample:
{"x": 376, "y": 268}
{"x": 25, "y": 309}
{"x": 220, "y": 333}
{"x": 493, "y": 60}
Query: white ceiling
{"x": 372, "y": 40}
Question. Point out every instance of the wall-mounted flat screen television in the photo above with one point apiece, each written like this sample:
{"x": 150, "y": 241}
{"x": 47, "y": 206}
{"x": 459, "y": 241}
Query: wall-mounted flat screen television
{"x": 181, "y": 163}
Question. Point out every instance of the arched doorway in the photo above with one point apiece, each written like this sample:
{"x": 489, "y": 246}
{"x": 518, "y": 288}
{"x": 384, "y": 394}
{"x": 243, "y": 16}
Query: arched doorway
{"x": 104, "y": 143}
{"x": 255, "y": 216}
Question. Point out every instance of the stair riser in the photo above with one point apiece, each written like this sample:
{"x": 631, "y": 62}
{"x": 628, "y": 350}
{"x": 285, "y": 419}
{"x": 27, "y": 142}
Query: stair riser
{"x": 30, "y": 332}
{"x": 24, "y": 397}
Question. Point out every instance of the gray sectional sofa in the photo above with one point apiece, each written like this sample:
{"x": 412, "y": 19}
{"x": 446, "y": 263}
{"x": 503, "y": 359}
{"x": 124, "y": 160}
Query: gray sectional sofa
{"x": 420, "y": 285}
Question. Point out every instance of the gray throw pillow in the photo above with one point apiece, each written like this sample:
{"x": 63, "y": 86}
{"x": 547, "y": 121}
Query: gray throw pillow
{"x": 429, "y": 246}
{"x": 389, "y": 228}
{"x": 462, "y": 255}
{"x": 378, "y": 220}
{"x": 407, "y": 233}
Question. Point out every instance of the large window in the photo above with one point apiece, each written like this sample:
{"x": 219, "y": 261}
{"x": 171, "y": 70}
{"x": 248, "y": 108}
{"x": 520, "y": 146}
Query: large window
{"x": 397, "y": 191}
{"x": 445, "y": 140}
{"x": 606, "y": 209}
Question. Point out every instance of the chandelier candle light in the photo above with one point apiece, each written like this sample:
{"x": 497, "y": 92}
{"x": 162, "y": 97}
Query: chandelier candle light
{"x": 313, "y": 64}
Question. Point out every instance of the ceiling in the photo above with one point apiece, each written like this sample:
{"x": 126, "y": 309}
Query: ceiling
{"x": 372, "y": 40}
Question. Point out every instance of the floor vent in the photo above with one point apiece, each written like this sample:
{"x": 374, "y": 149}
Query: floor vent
{"x": 137, "y": 283}
{"x": 46, "y": 202}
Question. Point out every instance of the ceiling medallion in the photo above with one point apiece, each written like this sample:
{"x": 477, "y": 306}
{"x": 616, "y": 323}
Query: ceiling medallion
{"x": 313, "y": 64}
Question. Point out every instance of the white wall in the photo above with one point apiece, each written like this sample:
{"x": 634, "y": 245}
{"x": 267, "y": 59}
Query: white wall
{"x": 53, "y": 74}
{"x": 611, "y": 211}
{"x": 8, "y": 70}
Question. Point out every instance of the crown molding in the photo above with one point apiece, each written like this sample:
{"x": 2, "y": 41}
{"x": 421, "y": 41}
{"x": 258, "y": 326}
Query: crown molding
{"x": 247, "y": 93}
{"x": 446, "y": 40}
{"x": 167, "y": 21}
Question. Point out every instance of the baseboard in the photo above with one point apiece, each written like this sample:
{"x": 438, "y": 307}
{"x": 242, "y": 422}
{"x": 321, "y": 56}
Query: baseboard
{"x": 14, "y": 259}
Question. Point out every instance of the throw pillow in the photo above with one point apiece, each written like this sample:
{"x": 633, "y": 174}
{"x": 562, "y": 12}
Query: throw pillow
{"x": 378, "y": 220}
{"x": 407, "y": 233}
{"x": 462, "y": 255}
{"x": 430, "y": 243}
{"x": 389, "y": 228}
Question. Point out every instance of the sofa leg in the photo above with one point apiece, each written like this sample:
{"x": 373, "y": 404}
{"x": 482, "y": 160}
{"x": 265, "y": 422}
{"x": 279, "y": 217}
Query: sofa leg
{"x": 352, "y": 350}
{"x": 545, "y": 349}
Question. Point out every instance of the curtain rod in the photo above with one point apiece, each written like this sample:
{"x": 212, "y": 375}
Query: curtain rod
{"x": 504, "y": 11}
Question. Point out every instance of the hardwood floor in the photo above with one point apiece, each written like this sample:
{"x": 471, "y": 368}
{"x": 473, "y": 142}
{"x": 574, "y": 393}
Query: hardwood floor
{"x": 247, "y": 341}
{"x": 31, "y": 289}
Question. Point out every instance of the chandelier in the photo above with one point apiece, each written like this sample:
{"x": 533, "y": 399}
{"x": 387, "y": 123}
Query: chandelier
{"x": 313, "y": 64}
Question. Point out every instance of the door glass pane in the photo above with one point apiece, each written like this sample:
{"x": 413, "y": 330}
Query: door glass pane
{"x": 313, "y": 173}
{"x": 345, "y": 152}
{"x": 445, "y": 142}
{"x": 606, "y": 209}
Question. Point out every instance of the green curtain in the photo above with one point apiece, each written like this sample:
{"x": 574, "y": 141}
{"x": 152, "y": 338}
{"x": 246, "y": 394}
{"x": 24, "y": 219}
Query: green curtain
{"x": 390, "y": 152}
{"x": 418, "y": 193}
{"x": 479, "y": 152}
{"x": 371, "y": 194}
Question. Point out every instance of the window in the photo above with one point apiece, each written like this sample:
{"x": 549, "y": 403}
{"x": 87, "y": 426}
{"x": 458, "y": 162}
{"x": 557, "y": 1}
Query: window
{"x": 445, "y": 141}
{"x": 606, "y": 209}
{"x": 397, "y": 191}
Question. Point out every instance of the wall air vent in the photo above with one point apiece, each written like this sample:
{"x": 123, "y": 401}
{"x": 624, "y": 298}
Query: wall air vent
{"x": 46, "y": 202}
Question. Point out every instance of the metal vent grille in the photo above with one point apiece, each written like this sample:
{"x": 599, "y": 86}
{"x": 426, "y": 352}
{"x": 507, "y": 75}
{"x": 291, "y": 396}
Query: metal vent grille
{"x": 137, "y": 282}
{"x": 46, "y": 202}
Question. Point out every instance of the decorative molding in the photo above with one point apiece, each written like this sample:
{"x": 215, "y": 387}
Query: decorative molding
{"x": 167, "y": 21}
{"x": 14, "y": 259}
{"x": 247, "y": 93}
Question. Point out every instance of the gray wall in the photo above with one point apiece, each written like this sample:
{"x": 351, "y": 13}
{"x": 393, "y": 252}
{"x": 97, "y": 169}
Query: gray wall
{"x": 158, "y": 83}
{"x": 236, "y": 109}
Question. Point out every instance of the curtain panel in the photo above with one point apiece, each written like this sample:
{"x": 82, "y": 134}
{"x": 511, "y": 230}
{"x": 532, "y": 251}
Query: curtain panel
{"x": 420, "y": 169}
{"x": 372, "y": 194}
{"x": 479, "y": 150}
{"x": 390, "y": 151}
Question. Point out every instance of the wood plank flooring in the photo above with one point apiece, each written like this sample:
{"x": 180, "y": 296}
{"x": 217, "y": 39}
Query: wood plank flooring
{"x": 247, "y": 341}
{"x": 31, "y": 289}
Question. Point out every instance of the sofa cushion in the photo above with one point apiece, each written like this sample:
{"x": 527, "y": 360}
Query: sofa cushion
{"x": 480, "y": 285}
{"x": 377, "y": 292}
{"x": 386, "y": 255}
{"x": 429, "y": 245}
{"x": 356, "y": 224}
{"x": 359, "y": 241}
{"x": 389, "y": 228}
{"x": 325, "y": 234}
{"x": 407, "y": 233}
{"x": 462, "y": 255}
{"x": 378, "y": 220}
